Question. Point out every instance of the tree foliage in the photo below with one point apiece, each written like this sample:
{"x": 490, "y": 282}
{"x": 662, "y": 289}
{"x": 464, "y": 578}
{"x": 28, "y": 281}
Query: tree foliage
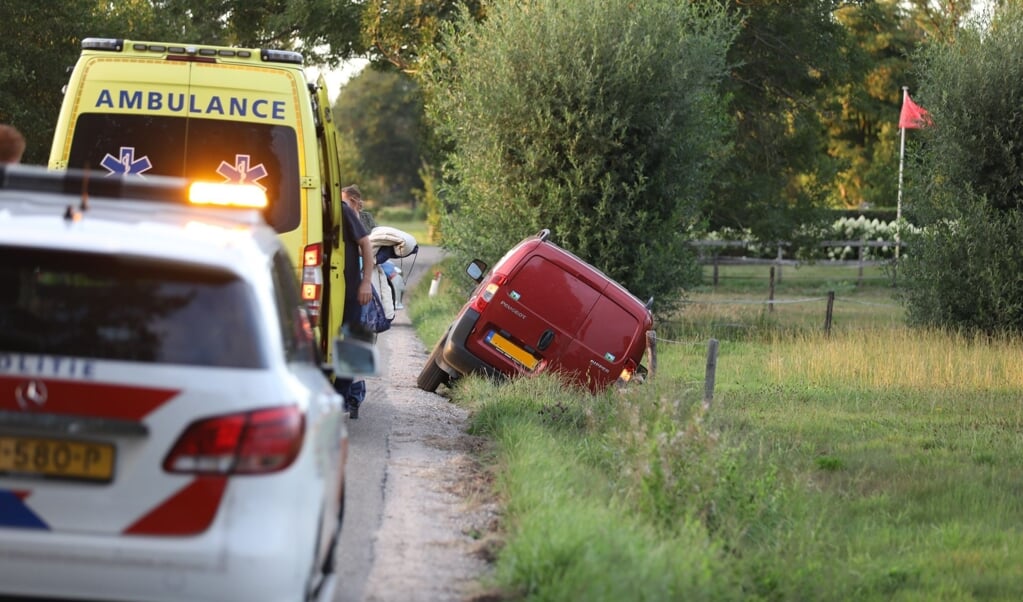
{"x": 325, "y": 31}
{"x": 965, "y": 183}
{"x": 381, "y": 114}
{"x": 40, "y": 41}
{"x": 599, "y": 121}
{"x": 861, "y": 113}
{"x": 787, "y": 57}
{"x": 398, "y": 32}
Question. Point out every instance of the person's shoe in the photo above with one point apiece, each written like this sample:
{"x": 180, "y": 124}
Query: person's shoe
{"x": 353, "y": 412}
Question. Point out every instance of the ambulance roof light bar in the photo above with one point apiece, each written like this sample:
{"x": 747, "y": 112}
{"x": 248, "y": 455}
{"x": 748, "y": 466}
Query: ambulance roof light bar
{"x": 180, "y": 52}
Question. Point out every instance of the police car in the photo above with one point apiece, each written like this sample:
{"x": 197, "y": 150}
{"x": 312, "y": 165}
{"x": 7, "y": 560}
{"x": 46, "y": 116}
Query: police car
{"x": 167, "y": 431}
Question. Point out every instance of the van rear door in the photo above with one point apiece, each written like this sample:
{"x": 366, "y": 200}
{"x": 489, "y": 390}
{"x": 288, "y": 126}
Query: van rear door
{"x": 539, "y": 310}
{"x": 606, "y": 339}
{"x": 557, "y": 309}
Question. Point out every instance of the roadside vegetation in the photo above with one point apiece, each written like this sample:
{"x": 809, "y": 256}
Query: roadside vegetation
{"x": 875, "y": 463}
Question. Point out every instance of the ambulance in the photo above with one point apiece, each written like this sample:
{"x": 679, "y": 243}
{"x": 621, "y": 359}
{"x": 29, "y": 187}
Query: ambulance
{"x": 217, "y": 114}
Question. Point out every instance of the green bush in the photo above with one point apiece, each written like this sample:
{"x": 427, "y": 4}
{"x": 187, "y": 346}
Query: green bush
{"x": 966, "y": 183}
{"x": 600, "y": 121}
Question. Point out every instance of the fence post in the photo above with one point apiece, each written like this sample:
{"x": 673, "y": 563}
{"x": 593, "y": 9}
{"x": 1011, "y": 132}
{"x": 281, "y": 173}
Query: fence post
{"x": 781, "y": 257}
{"x": 710, "y": 375}
{"x": 859, "y": 280}
{"x": 828, "y": 313}
{"x": 715, "y": 269}
{"x": 770, "y": 292}
{"x": 651, "y": 348}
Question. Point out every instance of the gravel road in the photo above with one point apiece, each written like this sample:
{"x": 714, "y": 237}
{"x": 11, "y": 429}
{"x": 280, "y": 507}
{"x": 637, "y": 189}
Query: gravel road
{"x": 417, "y": 501}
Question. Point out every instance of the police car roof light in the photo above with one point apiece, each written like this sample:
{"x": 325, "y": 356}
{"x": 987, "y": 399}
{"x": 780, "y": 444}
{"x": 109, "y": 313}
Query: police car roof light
{"x": 80, "y": 182}
{"x": 248, "y": 196}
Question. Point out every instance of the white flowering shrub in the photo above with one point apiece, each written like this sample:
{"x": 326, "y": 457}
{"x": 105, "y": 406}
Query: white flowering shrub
{"x": 846, "y": 228}
{"x": 754, "y": 248}
{"x": 861, "y": 228}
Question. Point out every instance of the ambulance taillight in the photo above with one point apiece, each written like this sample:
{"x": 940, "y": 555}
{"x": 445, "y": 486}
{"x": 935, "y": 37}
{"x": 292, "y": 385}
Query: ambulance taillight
{"x": 312, "y": 280}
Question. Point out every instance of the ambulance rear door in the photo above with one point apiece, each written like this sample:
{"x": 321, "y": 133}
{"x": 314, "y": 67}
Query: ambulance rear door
{"x": 334, "y": 251}
{"x": 135, "y": 114}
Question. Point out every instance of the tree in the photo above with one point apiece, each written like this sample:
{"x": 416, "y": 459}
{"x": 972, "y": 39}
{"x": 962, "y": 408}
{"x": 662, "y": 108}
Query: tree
{"x": 861, "y": 114}
{"x": 965, "y": 182}
{"x": 381, "y": 113}
{"x": 600, "y": 121}
{"x": 787, "y": 57}
{"x": 325, "y": 31}
{"x": 399, "y": 31}
{"x": 40, "y": 42}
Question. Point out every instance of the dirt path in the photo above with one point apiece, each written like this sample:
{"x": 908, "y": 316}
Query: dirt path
{"x": 414, "y": 512}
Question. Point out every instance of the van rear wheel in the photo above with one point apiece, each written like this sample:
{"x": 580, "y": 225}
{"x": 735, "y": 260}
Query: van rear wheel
{"x": 432, "y": 375}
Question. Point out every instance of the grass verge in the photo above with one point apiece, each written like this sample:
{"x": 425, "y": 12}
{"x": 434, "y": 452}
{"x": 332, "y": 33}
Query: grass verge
{"x": 874, "y": 463}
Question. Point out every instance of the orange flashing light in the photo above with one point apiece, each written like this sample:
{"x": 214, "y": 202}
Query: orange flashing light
{"x": 248, "y": 196}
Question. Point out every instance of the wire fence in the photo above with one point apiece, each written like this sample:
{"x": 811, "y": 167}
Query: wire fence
{"x": 875, "y": 312}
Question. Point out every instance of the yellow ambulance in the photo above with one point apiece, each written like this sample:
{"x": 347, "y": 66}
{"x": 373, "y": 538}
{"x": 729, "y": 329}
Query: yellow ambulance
{"x": 217, "y": 114}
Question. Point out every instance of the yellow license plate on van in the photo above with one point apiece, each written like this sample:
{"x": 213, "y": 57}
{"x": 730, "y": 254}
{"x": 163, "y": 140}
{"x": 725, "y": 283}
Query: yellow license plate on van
{"x": 512, "y": 350}
{"x": 56, "y": 458}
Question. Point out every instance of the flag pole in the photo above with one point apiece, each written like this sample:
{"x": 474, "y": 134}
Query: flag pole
{"x": 902, "y": 160}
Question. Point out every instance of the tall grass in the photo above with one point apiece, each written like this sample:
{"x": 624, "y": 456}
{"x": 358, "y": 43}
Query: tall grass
{"x": 872, "y": 463}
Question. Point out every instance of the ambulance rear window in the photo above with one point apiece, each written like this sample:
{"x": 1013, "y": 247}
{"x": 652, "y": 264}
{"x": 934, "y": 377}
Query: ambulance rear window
{"x": 212, "y": 150}
{"x": 125, "y": 308}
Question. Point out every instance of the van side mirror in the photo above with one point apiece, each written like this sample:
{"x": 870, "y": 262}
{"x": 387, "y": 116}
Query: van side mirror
{"x": 476, "y": 269}
{"x": 353, "y": 358}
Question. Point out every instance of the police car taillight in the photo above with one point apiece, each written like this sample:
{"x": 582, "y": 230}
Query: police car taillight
{"x": 254, "y": 442}
{"x": 312, "y": 280}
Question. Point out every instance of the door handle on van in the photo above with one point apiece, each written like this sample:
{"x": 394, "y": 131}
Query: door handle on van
{"x": 545, "y": 340}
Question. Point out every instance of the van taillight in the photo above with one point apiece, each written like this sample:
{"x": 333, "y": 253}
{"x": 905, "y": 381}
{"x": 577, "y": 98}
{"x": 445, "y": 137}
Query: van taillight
{"x": 312, "y": 280}
{"x": 488, "y": 293}
{"x": 254, "y": 442}
{"x": 627, "y": 371}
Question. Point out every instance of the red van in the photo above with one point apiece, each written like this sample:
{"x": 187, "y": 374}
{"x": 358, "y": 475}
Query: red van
{"x": 542, "y": 308}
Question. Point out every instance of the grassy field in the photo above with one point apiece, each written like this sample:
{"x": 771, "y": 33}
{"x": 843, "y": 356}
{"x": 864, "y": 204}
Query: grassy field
{"x": 876, "y": 462}
{"x": 417, "y": 228}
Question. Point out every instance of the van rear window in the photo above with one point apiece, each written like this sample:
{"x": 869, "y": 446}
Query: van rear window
{"x": 213, "y": 150}
{"x": 125, "y": 308}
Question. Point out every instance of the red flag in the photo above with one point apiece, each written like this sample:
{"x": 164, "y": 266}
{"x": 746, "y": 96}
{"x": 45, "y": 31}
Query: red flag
{"x": 913, "y": 115}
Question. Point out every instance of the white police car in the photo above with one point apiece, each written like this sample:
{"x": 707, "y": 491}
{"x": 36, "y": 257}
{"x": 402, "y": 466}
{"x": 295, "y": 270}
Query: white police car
{"x": 166, "y": 429}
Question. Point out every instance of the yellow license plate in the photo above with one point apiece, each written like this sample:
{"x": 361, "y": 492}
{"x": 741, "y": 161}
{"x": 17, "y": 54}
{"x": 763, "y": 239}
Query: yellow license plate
{"x": 512, "y": 350}
{"x": 56, "y": 458}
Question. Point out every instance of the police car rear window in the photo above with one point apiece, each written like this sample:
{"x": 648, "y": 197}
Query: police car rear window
{"x": 212, "y": 150}
{"x": 125, "y": 308}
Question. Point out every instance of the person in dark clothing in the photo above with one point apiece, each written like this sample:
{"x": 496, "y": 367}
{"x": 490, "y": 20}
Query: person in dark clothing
{"x": 358, "y": 291}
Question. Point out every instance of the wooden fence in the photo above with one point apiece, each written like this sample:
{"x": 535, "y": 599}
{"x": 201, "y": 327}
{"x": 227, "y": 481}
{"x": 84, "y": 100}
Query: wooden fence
{"x": 715, "y": 259}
